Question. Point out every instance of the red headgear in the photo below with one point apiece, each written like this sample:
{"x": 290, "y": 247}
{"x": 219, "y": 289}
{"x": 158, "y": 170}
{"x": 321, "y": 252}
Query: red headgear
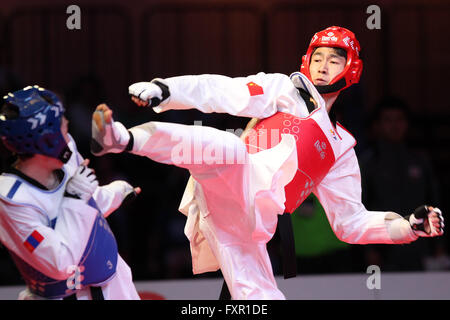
{"x": 337, "y": 37}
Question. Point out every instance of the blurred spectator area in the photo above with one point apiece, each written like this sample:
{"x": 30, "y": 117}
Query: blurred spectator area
{"x": 121, "y": 42}
{"x": 126, "y": 41}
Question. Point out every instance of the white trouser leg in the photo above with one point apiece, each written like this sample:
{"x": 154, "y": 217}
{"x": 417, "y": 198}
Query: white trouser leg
{"x": 245, "y": 265}
{"x": 187, "y": 146}
{"x": 218, "y": 161}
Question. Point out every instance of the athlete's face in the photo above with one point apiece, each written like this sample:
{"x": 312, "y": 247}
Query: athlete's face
{"x": 325, "y": 65}
{"x": 65, "y": 128}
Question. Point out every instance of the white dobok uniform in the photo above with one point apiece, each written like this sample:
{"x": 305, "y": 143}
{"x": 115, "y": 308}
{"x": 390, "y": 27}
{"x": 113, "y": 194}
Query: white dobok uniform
{"x": 58, "y": 242}
{"x": 233, "y": 197}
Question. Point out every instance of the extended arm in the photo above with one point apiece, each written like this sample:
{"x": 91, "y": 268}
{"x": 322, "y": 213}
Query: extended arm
{"x": 340, "y": 195}
{"x": 257, "y": 96}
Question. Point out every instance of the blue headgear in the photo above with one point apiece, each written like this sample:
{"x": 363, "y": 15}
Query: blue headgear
{"x": 37, "y": 127}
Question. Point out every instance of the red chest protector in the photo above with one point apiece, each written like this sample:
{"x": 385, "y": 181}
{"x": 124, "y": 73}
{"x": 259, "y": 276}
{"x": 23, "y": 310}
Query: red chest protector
{"x": 314, "y": 152}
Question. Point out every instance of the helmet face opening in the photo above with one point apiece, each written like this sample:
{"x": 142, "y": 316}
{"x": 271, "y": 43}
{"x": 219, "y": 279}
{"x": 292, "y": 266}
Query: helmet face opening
{"x": 336, "y": 37}
{"x": 30, "y": 123}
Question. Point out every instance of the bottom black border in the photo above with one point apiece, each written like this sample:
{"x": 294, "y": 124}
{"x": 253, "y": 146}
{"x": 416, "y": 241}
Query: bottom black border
{"x": 201, "y": 309}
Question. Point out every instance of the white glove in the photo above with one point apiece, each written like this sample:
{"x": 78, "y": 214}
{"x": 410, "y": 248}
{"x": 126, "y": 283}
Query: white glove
{"x": 128, "y": 192}
{"x": 115, "y": 194}
{"x": 83, "y": 183}
{"x": 150, "y": 94}
{"x": 427, "y": 221}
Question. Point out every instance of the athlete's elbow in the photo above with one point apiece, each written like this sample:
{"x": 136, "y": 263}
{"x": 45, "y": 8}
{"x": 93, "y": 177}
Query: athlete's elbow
{"x": 343, "y": 235}
{"x": 64, "y": 271}
{"x": 58, "y": 272}
{"x": 63, "y": 267}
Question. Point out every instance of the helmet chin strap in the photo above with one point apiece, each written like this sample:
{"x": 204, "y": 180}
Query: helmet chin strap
{"x": 331, "y": 88}
{"x": 65, "y": 154}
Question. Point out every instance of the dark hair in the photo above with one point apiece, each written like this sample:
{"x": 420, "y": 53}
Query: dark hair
{"x": 339, "y": 51}
{"x": 9, "y": 110}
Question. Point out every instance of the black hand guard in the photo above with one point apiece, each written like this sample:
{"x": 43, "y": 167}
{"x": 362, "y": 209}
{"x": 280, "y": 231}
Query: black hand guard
{"x": 165, "y": 93}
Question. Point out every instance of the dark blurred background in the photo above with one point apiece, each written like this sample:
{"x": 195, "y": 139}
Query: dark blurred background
{"x": 121, "y": 42}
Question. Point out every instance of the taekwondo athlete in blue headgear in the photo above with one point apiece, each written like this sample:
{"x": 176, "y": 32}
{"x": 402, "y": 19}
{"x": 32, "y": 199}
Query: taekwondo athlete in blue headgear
{"x": 52, "y": 210}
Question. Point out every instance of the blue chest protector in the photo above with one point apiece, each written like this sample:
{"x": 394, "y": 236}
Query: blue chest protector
{"x": 98, "y": 263}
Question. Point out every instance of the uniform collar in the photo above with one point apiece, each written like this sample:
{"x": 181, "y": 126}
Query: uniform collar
{"x": 20, "y": 174}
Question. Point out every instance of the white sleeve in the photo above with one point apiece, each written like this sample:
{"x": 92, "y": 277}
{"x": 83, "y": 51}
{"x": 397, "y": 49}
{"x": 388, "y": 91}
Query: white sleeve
{"x": 255, "y": 96}
{"x": 340, "y": 195}
{"x": 55, "y": 250}
{"x": 109, "y": 197}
